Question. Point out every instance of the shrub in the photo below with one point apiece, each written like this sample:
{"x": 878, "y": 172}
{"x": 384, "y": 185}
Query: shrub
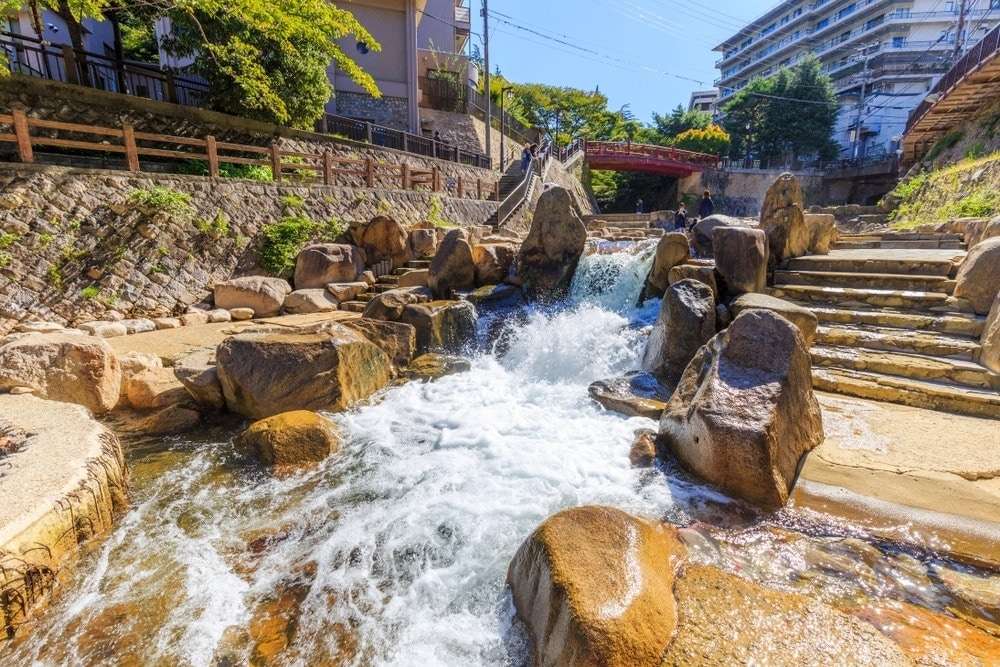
{"x": 216, "y": 227}
{"x": 434, "y": 213}
{"x": 282, "y": 241}
{"x": 8, "y": 239}
{"x": 54, "y": 276}
{"x": 90, "y": 292}
{"x": 159, "y": 199}
{"x": 979, "y": 204}
{"x": 944, "y": 143}
{"x": 4, "y": 259}
{"x": 712, "y": 140}
{"x": 45, "y": 239}
{"x": 292, "y": 202}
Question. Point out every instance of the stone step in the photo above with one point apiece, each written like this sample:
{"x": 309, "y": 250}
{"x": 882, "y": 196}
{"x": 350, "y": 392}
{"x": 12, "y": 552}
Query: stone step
{"x": 934, "y": 302}
{"x": 401, "y": 271}
{"x": 353, "y": 306}
{"x": 388, "y": 280}
{"x": 880, "y": 281}
{"x": 378, "y": 288}
{"x": 906, "y": 391}
{"x": 846, "y": 244}
{"x": 856, "y": 245}
{"x": 366, "y": 297}
{"x": 418, "y": 264}
{"x": 913, "y": 366}
{"x": 898, "y": 340}
{"x": 848, "y": 262}
{"x": 955, "y": 324}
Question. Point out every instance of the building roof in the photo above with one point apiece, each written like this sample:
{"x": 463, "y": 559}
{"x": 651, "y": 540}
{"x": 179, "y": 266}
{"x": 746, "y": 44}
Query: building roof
{"x": 754, "y": 26}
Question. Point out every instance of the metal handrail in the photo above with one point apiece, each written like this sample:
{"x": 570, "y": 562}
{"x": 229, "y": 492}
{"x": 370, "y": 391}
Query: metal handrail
{"x": 986, "y": 48}
{"x": 516, "y": 198}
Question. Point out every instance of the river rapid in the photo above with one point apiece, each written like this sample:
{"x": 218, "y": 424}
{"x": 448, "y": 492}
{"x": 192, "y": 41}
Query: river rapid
{"x": 395, "y": 551}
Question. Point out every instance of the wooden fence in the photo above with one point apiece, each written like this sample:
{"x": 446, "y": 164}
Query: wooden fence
{"x": 131, "y": 144}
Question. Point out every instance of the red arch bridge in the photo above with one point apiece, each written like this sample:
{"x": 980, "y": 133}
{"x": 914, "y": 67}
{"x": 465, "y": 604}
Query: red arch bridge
{"x": 662, "y": 160}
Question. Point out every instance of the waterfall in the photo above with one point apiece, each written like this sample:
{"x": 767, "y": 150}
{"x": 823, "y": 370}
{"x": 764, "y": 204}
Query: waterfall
{"x": 612, "y": 277}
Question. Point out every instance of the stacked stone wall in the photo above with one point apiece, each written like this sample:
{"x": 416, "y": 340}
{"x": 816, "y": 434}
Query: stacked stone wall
{"x": 72, "y": 247}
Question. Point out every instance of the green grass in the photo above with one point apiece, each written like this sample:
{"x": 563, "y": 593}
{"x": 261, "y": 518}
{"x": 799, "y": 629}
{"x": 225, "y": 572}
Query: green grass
{"x": 966, "y": 189}
{"x": 292, "y": 202}
{"x": 7, "y": 239}
{"x": 90, "y": 292}
{"x": 159, "y": 199}
{"x": 283, "y": 240}
{"x": 217, "y": 227}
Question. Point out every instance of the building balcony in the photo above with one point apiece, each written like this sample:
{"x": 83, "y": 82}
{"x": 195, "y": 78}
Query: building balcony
{"x": 463, "y": 19}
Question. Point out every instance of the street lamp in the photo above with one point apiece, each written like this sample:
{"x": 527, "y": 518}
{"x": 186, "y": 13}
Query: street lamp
{"x": 503, "y": 131}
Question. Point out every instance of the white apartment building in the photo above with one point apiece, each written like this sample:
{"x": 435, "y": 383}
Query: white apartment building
{"x": 897, "y": 48}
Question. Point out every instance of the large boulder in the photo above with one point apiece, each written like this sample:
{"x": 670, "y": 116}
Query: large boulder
{"x": 636, "y": 394}
{"x": 783, "y": 219}
{"x": 703, "y": 233}
{"x": 323, "y": 263}
{"x": 673, "y": 249}
{"x": 744, "y": 412}
{"x": 290, "y": 439}
{"x": 801, "y": 317}
{"x": 553, "y": 247}
{"x": 155, "y": 388}
{"x": 686, "y": 322}
{"x": 307, "y": 301}
{"x": 493, "y": 262}
{"x": 134, "y": 363}
{"x": 434, "y": 366}
{"x": 396, "y": 339}
{"x": 990, "y": 354}
{"x": 384, "y": 239}
{"x": 264, "y": 374}
{"x": 703, "y": 273}
{"x": 594, "y": 586}
{"x": 822, "y": 232}
{"x": 453, "y": 267}
{"x": 66, "y": 367}
{"x": 979, "y": 278}
{"x": 423, "y": 242}
{"x": 741, "y": 259}
{"x": 263, "y": 294}
{"x": 441, "y": 325}
{"x": 200, "y": 377}
{"x": 389, "y": 305}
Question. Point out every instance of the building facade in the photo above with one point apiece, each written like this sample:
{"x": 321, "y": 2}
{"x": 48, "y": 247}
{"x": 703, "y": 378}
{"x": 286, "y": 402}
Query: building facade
{"x": 704, "y": 100}
{"x": 882, "y": 55}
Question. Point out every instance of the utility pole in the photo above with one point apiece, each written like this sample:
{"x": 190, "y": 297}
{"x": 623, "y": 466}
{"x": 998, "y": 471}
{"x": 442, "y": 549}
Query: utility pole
{"x": 861, "y": 103}
{"x": 486, "y": 64}
{"x": 961, "y": 29}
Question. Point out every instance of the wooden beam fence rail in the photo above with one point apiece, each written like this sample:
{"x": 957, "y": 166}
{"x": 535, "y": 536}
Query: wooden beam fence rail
{"x": 324, "y": 167}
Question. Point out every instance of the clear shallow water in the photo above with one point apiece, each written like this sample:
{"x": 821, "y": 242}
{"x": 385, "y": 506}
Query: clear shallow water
{"x": 395, "y": 551}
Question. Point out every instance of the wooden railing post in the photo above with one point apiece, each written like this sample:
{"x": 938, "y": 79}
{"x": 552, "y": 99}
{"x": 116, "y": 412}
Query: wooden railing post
{"x": 69, "y": 63}
{"x": 275, "y": 161}
{"x": 436, "y": 179}
{"x": 212, "y": 150}
{"x": 496, "y": 190}
{"x": 131, "y": 150}
{"x": 369, "y": 172}
{"x": 405, "y": 173}
{"x": 479, "y": 188}
{"x": 461, "y": 188}
{"x": 23, "y": 136}
{"x": 171, "y": 87}
{"x": 327, "y": 167}
{"x": 369, "y": 133}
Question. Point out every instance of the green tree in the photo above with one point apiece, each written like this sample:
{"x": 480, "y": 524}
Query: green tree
{"x": 712, "y": 140}
{"x": 785, "y": 117}
{"x": 679, "y": 120}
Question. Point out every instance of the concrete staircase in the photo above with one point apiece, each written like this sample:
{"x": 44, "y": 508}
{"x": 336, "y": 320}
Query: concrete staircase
{"x": 384, "y": 284}
{"x": 889, "y": 329}
{"x": 900, "y": 241}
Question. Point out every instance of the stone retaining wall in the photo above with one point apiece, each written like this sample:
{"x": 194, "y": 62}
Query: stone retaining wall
{"x": 72, "y": 248}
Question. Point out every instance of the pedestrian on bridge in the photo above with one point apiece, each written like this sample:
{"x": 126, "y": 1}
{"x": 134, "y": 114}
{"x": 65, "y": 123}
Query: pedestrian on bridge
{"x": 707, "y": 206}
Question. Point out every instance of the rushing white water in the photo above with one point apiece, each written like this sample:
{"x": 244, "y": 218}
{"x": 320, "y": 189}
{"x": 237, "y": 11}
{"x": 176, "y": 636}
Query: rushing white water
{"x": 399, "y": 545}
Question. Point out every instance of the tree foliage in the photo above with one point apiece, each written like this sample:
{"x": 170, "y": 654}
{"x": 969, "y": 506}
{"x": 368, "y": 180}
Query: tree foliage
{"x": 712, "y": 140}
{"x": 785, "y": 117}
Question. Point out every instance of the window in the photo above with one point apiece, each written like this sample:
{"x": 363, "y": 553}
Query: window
{"x": 898, "y": 42}
{"x": 822, "y": 23}
{"x": 849, "y": 9}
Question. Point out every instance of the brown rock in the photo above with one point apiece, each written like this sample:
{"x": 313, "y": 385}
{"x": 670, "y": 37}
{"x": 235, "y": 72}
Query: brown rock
{"x": 423, "y": 243}
{"x": 700, "y": 272}
{"x": 801, "y": 317}
{"x": 264, "y": 295}
{"x": 346, "y": 291}
{"x": 643, "y": 451}
{"x": 306, "y": 301}
{"x": 822, "y": 232}
{"x": 783, "y": 220}
{"x": 241, "y": 314}
{"x": 553, "y": 247}
{"x": 290, "y": 438}
{"x": 441, "y": 325}
{"x": 385, "y": 239}
{"x": 170, "y": 420}
{"x": 267, "y": 374}
{"x": 396, "y": 339}
{"x": 989, "y": 356}
{"x": 134, "y": 363}
{"x": 594, "y": 586}
{"x": 727, "y": 620}
{"x": 744, "y": 412}
{"x": 414, "y": 278}
{"x": 492, "y": 262}
{"x": 63, "y": 367}
{"x": 155, "y": 388}
{"x": 673, "y": 249}
{"x": 741, "y": 259}
{"x": 686, "y": 322}
{"x": 200, "y": 377}
{"x": 323, "y": 263}
{"x": 703, "y": 233}
{"x": 635, "y": 395}
{"x": 452, "y": 267}
{"x": 389, "y": 305}
{"x": 432, "y": 366}
{"x": 978, "y": 280}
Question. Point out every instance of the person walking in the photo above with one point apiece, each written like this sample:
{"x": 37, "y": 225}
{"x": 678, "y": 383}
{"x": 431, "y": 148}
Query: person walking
{"x": 680, "y": 218}
{"x": 526, "y": 158}
{"x": 707, "y": 206}
{"x": 639, "y": 205}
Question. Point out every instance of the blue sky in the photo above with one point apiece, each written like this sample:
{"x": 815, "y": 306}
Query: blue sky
{"x": 653, "y": 43}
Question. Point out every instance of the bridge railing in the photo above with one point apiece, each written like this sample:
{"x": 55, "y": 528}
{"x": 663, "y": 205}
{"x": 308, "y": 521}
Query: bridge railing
{"x": 985, "y": 48}
{"x": 599, "y": 149}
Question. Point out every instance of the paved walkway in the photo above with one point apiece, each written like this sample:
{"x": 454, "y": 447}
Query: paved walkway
{"x": 173, "y": 344}
{"x": 904, "y": 471}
